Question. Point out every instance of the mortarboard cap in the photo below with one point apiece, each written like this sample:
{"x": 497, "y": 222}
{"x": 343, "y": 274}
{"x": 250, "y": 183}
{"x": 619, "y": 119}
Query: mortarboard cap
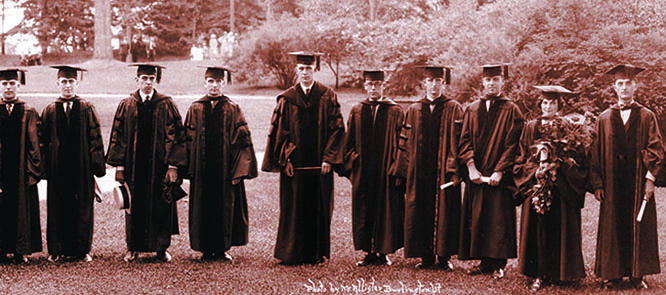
{"x": 217, "y": 73}
{"x": 149, "y": 69}
{"x": 307, "y": 58}
{"x": 625, "y": 71}
{"x": 13, "y": 74}
{"x": 69, "y": 71}
{"x": 496, "y": 70}
{"x": 374, "y": 75}
{"x": 432, "y": 71}
{"x": 553, "y": 92}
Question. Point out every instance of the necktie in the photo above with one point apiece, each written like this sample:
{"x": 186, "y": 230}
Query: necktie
{"x": 9, "y": 107}
{"x": 147, "y": 98}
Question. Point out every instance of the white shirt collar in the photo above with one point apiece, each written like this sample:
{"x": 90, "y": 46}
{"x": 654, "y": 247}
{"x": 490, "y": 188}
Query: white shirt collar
{"x": 306, "y": 88}
{"x": 622, "y": 103}
{"x": 143, "y": 95}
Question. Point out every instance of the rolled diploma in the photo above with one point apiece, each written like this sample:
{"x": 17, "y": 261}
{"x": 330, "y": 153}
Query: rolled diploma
{"x": 639, "y": 218}
{"x": 444, "y": 186}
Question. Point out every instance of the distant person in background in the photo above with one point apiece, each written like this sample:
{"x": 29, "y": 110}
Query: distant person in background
{"x": 20, "y": 170}
{"x": 371, "y": 148}
{"x": 147, "y": 147}
{"x": 212, "y": 47}
{"x": 625, "y": 158}
{"x": 73, "y": 153}
{"x": 428, "y": 160}
{"x": 124, "y": 50}
{"x": 150, "y": 49}
{"x": 137, "y": 48}
{"x": 221, "y": 156}
{"x": 304, "y": 142}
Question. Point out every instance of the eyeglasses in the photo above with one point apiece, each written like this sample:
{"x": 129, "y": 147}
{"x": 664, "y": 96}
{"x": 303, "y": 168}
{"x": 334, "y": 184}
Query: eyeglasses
{"x": 376, "y": 84}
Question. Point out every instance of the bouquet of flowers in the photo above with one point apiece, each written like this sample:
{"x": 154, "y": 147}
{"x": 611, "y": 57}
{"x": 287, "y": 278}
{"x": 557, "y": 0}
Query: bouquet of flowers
{"x": 562, "y": 140}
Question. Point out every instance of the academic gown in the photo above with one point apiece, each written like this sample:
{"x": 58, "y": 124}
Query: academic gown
{"x": 490, "y": 138}
{"x": 20, "y": 170}
{"x": 305, "y": 130}
{"x": 621, "y": 157}
{"x": 219, "y": 150}
{"x": 428, "y": 159}
{"x": 73, "y": 152}
{"x": 147, "y": 138}
{"x": 551, "y": 243}
{"x": 370, "y": 151}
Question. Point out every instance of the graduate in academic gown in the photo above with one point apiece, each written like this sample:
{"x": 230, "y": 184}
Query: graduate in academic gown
{"x": 220, "y": 157}
{"x": 20, "y": 170}
{"x": 304, "y": 142}
{"x": 370, "y": 150}
{"x": 488, "y": 146}
{"x": 428, "y": 159}
{"x": 73, "y": 153}
{"x": 147, "y": 147}
{"x": 624, "y": 163}
{"x": 551, "y": 242}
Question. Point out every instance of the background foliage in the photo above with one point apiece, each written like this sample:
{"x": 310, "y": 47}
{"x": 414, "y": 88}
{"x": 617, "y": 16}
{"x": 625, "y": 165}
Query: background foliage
{"x": 565, "y": 42}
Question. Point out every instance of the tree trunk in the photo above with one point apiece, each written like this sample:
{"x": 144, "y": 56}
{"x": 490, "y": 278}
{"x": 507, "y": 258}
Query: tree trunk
{"x": 232, "y": 13}
{"x": 103, "y": 30}
{"x": 373, "y": 9}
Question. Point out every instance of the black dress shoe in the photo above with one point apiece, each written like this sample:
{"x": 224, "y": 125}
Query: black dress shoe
{"x": 206, "y": 256}
{"x": 498, "y": 274}
{"x": 163, "y": 256}
{"x": 477, "y": 270}
{"x": 369, "y": 259}
{"x": 21, "y": 259}
{"x": 224, "y": 257}
{"x": 611, "y": 284}
{"x": 384, "y": 260}
{"x": 445, "y": 266}
{"x": 638, "y": 283}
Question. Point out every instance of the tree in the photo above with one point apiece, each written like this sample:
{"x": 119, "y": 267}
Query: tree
{"x": 103, "y": 30}
{"x": 61, "y": 26}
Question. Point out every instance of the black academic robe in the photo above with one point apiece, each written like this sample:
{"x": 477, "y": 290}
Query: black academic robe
{"x": 147, "y": 138}
{"x": 219, "y": 150}
{"x": 551, "y": 243}
{"x": 306, "y": 130}
{"x": 370, "y": 150}
{"x": 73, "y": 152}
{"x": 20, "y": 170}
{"x": 621, "y": 156}
{"x": 490, "y": 139}
{"x": 428, "y": 159}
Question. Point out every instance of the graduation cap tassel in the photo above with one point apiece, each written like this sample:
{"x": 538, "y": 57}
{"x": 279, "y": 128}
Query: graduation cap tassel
{"x": 159, "y": 75}
{"x": 317, "y": 61}
{"x": 505, "y": 69}
{"x": 228, "y": 77}
{"x": 22, "y": 76}
{"x": 448, "y": 76}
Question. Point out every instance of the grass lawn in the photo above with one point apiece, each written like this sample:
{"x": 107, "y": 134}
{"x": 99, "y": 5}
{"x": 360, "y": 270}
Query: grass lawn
{"x": 253, "y": 271}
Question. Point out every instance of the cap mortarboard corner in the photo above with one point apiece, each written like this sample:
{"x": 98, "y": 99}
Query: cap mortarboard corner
{"x": 308, "y": 58}
{"x": 626, "y": 71}
{"x": 493, "y": 70}
{"x": 149, "y": 69}
{"x": 65, "y": 71}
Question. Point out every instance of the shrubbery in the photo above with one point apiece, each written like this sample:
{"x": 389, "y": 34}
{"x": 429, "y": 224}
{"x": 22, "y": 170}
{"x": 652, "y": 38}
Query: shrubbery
{"x": 566, "y": 42}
